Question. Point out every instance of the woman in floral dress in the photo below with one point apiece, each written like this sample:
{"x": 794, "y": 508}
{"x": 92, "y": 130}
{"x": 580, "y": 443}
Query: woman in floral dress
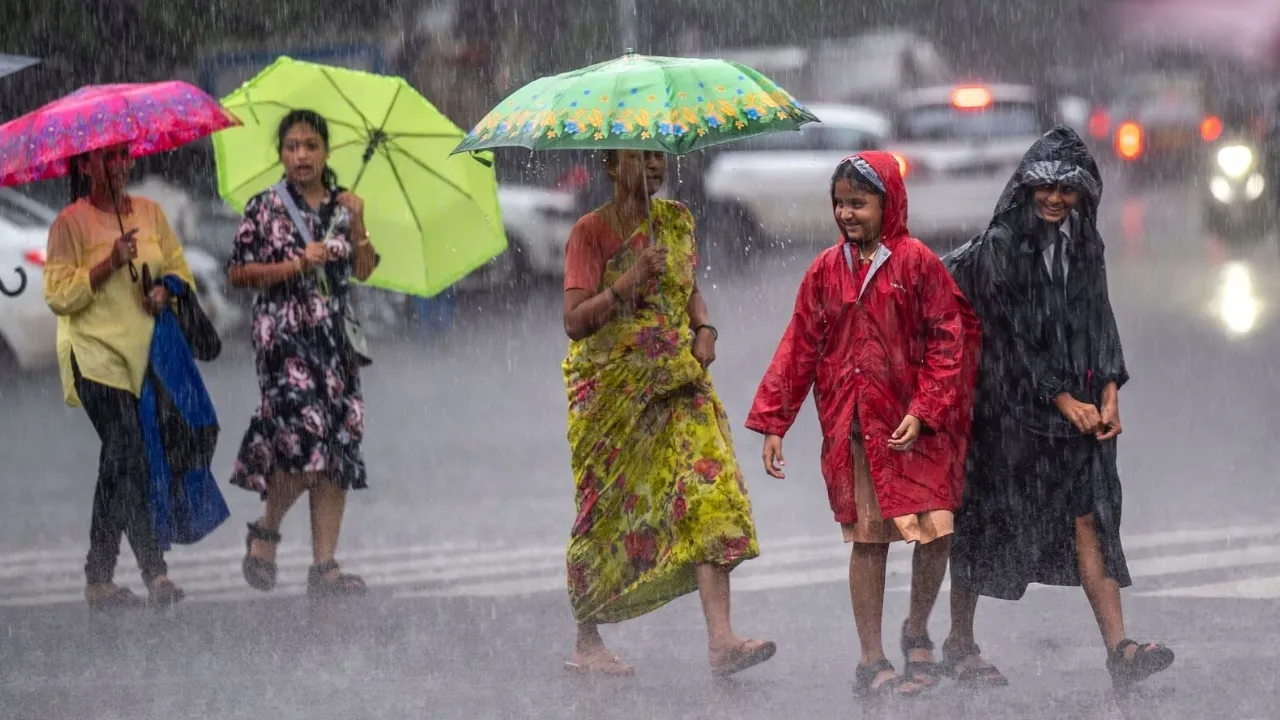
{"x": 306, "y": 433}
{"x": 662, "y": 506}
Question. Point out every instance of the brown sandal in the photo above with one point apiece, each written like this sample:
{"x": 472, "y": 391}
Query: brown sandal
{"x": 606, "y": 665}
{"x": 747, "y": 655}
{"x": 165, "y": 594}
{"x": 121, "y": 598}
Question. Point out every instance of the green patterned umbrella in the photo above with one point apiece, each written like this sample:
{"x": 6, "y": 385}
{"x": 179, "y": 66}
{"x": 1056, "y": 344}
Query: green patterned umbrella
{"x": 639, "y": 102}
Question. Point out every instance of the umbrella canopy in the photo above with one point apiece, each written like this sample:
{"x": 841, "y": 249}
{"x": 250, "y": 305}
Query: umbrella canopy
{"x": 674, "y": 105}
{"x": 10, "y": 64}
{"x": 149, "y": 117}
{"x": 434, "y": 218}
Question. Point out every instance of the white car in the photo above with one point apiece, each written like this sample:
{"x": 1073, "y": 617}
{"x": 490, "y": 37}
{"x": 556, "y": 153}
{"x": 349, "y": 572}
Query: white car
{"x": 28, "y": 329}
{"x": 537, "y": 222}
{"x": 958, "y": 147}
{"x": 778, "y": 186}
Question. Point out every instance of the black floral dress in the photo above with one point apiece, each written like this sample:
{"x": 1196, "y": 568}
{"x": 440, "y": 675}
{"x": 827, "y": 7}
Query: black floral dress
{"x": 311, "y": 419}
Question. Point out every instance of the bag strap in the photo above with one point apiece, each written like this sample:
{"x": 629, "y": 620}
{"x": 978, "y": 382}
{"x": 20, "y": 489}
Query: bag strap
{"x": 304, "y": 228}
{"x": 286, "y": 197}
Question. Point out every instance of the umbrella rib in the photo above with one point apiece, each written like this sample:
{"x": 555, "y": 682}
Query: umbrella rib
{"x": 425, "y": 167}
{"x": 250, "y": 181}
{"x": 395, "y": 171}
{"x": 276, "y": 103}
{"x": 390, "y": 106}
{"x": 368, "y": 127}
{"x": 426, "y": 136}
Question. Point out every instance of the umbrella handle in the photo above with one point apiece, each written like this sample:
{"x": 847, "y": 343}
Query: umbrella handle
{"x": 115, "y": 203}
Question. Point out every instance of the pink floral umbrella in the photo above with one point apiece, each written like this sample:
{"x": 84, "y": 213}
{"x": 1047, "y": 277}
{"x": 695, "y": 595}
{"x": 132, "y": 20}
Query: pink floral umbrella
{"x": 150, "y": 117}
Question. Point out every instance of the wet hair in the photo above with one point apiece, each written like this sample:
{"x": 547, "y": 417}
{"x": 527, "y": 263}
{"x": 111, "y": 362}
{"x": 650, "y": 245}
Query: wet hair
{"x": 610, "y": 158}
{"x": 80, "y": 182}
{"x": 847, "y": 170}
{"x": 316, "y": 122}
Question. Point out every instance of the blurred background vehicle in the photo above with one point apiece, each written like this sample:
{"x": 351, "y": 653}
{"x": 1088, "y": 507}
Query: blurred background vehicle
{"x": 957, "y": 145}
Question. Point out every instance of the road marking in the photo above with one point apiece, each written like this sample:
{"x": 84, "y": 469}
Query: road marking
{"x": 1258, "y": 588}
{"x": 460, "y": 569}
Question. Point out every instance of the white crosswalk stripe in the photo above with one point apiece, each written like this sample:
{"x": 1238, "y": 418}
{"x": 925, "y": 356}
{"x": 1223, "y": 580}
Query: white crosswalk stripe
{"x": 1222, "y": 562}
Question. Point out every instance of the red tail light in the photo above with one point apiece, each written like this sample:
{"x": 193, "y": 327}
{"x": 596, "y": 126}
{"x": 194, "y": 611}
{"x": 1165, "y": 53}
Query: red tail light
{"x": 904, "y": 167}
{"x": 1129, "y": 140}
{"x": 575, "y": 178}
{"x": 1210, "y": 129}
{"x": 34, "y": 257}
{"x": 1099, "y": 124}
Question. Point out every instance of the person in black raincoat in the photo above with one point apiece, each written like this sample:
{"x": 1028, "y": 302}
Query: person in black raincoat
{"x": 1041, "y": 501}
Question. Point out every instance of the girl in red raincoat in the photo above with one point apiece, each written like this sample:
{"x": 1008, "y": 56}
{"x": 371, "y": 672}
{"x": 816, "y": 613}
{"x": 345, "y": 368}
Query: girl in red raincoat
{"x": 892, "y": 346}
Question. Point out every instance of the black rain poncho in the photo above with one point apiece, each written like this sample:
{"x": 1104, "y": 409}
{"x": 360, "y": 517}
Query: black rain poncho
{"x": 1029, "y": 473}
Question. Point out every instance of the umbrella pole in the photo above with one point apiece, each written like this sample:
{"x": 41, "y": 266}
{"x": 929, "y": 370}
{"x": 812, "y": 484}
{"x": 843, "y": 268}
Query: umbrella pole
{"x": 376, "y": 138}
{"x": 653, "y": 239}
{"x": 115, "y": 203}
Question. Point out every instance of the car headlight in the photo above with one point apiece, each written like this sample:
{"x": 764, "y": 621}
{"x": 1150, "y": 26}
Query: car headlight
{"x": 1235, "y": 160}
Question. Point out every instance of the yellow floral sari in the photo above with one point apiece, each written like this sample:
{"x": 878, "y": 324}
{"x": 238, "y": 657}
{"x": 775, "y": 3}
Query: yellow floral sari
{"x": 658, "y": 488}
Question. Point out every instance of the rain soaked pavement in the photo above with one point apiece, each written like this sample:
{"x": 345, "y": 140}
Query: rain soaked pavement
{"x": 462, "y": 534}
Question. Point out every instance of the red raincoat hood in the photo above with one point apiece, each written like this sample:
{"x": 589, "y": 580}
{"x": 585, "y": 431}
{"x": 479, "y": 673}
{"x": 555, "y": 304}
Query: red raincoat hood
{"x": 881, "y": 169}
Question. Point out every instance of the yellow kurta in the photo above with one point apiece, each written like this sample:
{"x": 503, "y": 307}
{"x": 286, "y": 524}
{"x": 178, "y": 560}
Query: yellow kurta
{"x": 108, "y": 330}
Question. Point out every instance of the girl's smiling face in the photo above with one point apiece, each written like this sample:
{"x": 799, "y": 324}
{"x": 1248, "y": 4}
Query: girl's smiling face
{"x": 859, "y": 212}
{"x": 1055, "y": 202}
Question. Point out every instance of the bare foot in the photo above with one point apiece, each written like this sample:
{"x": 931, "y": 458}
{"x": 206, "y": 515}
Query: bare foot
{"x": 597, "y": 660}
{"x": 904, "y": 686}
{"x": 263, "y": 550}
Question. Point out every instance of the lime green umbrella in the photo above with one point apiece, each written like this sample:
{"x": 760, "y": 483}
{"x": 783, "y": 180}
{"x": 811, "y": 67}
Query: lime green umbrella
{"x": 434, "y": 218}
{"x": 639, "y": 102}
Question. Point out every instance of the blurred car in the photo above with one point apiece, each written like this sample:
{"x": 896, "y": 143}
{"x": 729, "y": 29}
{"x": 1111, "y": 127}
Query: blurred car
{"x": 957, "y": 146}
{"x": 537, "y": 221}
{"x": 1241, "y": 194}
{"x": 28, "y": 329}
{"x": 777, "y": 187}
{"x": 1171, "y": 112}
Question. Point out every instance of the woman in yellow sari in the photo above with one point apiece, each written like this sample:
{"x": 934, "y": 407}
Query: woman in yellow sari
{"x": 662, "y": 505}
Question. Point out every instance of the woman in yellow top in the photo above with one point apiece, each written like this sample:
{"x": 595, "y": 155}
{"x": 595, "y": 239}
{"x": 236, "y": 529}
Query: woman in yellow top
{"x": 662, "y": 505}
{"x": 105, "y": 325}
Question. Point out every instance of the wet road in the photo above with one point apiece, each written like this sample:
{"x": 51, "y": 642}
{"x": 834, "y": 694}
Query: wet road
{"x": 462, "y": 536}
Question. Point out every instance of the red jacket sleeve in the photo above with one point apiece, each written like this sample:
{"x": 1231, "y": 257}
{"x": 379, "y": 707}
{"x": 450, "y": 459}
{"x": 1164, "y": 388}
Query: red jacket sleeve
{"x": 952, "y": 349}
{"x": 791, "y": 373}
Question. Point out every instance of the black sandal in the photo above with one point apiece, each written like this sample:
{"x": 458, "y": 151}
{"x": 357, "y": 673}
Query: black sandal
{"x": 922, "y": 672}
{"x": 258, "y": 572}
{"x": 1147, "y": 660}
{"x": 985, "y": 676}
{"x": 343, "y": 585}
{"x": 865, "y": 676}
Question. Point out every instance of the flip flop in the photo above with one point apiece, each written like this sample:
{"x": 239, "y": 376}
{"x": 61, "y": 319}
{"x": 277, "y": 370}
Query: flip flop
{"x": 743, "y": 657}
{"x": 603, "y": 665}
